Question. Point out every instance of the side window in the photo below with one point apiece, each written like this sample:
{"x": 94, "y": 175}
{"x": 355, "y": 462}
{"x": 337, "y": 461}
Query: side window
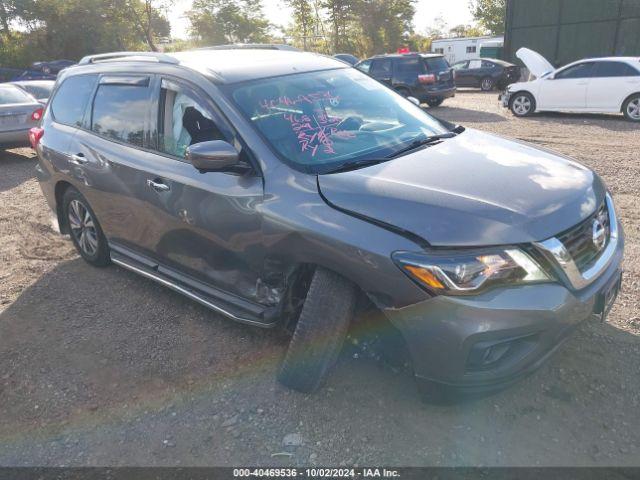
{"x": 486, "y": 64}
{"x": 473, "y": 64}
{"x": 70, "y": 100}
{"x": 471, "y": 49}
{"x": 381, "y": 68}
{"x": 614, "y": 69}
{"x": 581, "y": 70}
{"x": 364, "y": 66}
{"x": 183, "y": 120}
{"x": 120, "y": 109}
{"x": 460, "y": 65}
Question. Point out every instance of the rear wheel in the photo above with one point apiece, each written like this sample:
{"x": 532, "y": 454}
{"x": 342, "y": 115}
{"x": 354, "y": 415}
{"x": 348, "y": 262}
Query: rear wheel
{"x": 403, "y": 91}
{"x": 320, "y": 331}
{"x": 523, "y": 104}
{"x": 487, "y": 84}
{"x": 86, "y": 233}
{"x": 435, "y": 102}
{"x": 631, "y": 108}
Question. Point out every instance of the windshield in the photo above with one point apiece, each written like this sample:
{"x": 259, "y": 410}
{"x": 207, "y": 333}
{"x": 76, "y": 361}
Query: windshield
{"x": 321, "y": 120}
{"x": 437, "y": 64}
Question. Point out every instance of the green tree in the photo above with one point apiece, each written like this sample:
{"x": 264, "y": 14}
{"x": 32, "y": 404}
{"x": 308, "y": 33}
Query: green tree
{"x": 147, "y": 18}
{"x": 386, "y": 24}
{"x": 217, "y": 22}
{"x": 304, "y": 22}
{"x": 490, "y": 14}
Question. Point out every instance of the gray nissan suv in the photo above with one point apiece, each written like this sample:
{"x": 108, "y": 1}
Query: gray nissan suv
{"x": 285, "y": 189}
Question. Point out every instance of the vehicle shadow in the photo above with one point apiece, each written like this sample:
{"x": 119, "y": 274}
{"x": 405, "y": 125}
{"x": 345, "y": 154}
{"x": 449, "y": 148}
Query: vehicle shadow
{"x": 103, "y": 367}
{"x": 16, "y": 167}
{"x": 464, "y": 115}
{"x": 616, "y": 123}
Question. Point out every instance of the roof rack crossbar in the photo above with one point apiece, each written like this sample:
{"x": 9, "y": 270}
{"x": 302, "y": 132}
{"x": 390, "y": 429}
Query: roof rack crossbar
{"x": 124, "y": 56}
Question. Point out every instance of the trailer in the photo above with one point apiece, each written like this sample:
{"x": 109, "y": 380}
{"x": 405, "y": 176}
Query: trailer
{"x": 459, "y": 49}
{"x": 567, "y": 30}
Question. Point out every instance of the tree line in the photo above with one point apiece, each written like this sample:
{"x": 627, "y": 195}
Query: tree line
{"x": 32, "y": 30}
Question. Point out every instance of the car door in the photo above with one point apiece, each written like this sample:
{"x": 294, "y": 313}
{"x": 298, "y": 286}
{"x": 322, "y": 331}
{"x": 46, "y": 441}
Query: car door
{"x": 463, "y": 74}
{"x": 567, "y": 89}
{"x": 382, "y": 70}
{"x": 612, "y": 83}
{"x": 203, "y": 225}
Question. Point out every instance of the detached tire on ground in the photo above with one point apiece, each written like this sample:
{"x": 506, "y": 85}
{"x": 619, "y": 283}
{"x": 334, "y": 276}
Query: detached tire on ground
{"x": 320, "y": 332}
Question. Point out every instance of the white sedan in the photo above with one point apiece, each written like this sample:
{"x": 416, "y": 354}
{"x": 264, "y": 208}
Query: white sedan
{"x": 595, "y": 85}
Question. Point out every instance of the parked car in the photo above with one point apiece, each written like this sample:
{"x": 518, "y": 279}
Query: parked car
{"x": 595, "y": 85}
{"x": 486, "y": 73}
{"x": 19, "y": 111}
{"x": 347, "y": 57}
{"x": 14, "y": 74}
{"x": 52, "y": 67}
{"x": 286, "y": 189}
{"x": 427, "y": 77}
{"x": 39, "y": 89}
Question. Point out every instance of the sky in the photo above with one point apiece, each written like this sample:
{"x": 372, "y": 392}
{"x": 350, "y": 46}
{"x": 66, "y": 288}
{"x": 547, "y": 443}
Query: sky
{"x": 454, "y": 12}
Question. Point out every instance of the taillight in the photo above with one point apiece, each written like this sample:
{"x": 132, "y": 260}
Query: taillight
{"x": 37, "y": 114}
{"x": 427, "y": 79}
{"x": 35, "y": 134}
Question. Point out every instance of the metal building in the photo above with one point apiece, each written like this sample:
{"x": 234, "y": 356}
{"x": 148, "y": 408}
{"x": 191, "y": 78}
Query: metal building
{"x": 568, "y": 30}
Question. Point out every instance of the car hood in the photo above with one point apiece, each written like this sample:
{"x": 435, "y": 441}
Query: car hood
{"x": 475, "y": 189}
{"x": 536, "y": 63}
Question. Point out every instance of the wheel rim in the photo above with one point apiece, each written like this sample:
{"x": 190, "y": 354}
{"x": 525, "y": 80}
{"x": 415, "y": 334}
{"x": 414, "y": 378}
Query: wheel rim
{"x": 487, "y": 84}
{"x": 633, "y": 109}
{"x": 522, "y": 105}
{"x": 83, "y": 227}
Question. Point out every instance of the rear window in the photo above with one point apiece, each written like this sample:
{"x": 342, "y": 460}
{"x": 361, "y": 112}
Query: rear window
{"x": 71, "y": 99}
{"x": 436, "y": 64}
{"x": 408, "y": 66}
{"x": 11, "y": 94}
{"x": 38, "y": 91}
{"x": 119, "y": 112}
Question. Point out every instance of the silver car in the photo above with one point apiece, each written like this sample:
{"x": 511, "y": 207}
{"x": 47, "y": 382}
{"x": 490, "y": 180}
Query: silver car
{"x": 19, "y": 112}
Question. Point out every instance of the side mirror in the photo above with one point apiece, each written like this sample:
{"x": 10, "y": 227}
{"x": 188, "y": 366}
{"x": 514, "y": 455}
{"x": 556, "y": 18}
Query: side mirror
{"x": 213, "y": 156}
{"x": 414, "y": 100}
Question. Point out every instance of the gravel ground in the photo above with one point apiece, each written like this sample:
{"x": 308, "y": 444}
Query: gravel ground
{"x": 101, "y": 367}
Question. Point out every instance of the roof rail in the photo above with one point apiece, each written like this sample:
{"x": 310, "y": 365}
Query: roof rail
{"x": 124, "y": 56}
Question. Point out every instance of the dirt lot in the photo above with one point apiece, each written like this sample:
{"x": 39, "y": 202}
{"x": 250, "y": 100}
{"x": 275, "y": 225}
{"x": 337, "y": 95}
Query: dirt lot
{"x": 101, "y": 367}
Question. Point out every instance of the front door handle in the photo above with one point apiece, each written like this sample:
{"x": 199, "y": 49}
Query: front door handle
{"x": 78, "y": 159}
{"x": 158, "y": 186}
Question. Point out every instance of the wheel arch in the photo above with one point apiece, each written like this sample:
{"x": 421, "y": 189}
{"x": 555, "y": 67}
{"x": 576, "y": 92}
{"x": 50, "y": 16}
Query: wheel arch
{"x": 629, "y": 97}
{"x": 61, "y": 187}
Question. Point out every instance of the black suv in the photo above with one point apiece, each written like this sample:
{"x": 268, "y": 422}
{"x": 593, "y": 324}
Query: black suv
{"x": 427, "y": 77}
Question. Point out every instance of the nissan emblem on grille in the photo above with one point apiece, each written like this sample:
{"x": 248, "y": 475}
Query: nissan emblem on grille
{"x": 599, "y": 234}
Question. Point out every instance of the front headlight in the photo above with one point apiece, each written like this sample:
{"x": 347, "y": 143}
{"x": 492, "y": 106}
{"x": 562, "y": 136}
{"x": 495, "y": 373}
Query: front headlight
{"x": 468, "y": 272}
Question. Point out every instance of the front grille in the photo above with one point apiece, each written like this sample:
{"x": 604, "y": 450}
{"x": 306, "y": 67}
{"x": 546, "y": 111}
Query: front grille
{"x": 579, "y": 240}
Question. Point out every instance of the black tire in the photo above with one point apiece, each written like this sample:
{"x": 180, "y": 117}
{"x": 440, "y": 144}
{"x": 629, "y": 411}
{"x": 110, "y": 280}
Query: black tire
{"x": 631, "y": 108}
{"x": 487, "y": 84}
{"x": 522, "y": 104}
{"x": 320, "y": 332}
{"x": 435, "y": 102}
{"x": 403, "y": 91}
{"x": 94, "y": 248}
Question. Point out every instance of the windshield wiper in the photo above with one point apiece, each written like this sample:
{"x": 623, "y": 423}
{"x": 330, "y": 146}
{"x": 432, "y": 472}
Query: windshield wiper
{"x": 421, "y": 142}
{"x": 348, "y": 166}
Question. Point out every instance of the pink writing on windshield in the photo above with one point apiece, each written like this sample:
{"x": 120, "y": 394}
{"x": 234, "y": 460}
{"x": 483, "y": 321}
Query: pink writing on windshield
{"x": 286, "y": 101}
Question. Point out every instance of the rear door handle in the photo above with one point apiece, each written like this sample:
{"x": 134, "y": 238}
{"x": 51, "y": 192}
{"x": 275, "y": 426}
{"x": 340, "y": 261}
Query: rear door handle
{"x": 78, "y": 159}
{"x": 158, "y": 186}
